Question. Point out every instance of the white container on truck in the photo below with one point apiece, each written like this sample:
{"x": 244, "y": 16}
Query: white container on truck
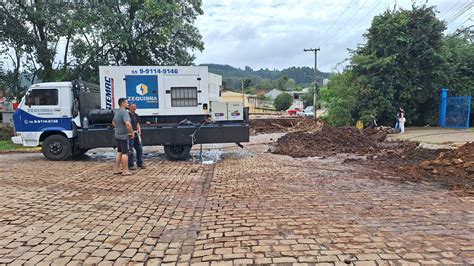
{"x": 69, "y": 118}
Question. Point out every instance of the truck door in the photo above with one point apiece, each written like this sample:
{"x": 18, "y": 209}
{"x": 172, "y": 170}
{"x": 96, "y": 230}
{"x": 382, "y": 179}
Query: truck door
{"x": 182, "y": 91}
{"x": 44, "y": 109}
{"x": 43, "y": 103}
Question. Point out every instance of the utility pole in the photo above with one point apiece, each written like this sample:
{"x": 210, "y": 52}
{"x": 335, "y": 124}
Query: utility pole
{"x": 243, "y": 95}
{"x": 315, "y": 91}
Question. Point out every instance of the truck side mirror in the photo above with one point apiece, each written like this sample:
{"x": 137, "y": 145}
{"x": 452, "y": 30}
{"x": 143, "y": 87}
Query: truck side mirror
{"x": 28, "y": 99}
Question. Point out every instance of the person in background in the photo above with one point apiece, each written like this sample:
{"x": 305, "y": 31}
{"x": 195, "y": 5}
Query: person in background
{"x": 123, "y": 133}
{"x": 399, "y": 114}
{"x": 401, "y": 122}
{"x": 373, "y": 122}
{"x": 136, "y": 142}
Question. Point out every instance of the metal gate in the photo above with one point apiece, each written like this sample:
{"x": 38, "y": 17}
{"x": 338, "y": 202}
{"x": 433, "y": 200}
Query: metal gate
{"x": 454, "y": 111}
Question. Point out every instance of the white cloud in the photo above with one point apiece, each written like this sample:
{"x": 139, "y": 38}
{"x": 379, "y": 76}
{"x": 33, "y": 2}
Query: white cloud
{"x": 273, "y": 33}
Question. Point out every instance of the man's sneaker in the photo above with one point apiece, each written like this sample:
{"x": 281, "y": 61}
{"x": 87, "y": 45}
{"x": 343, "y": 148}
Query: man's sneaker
{"x": 142, "y": 166}
{"x": 132, "y": 168}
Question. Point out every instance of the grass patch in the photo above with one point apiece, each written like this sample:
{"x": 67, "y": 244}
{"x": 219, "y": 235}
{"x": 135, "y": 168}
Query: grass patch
{"x": 8, "y": 145}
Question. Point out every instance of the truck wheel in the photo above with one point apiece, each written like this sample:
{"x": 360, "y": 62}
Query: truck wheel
{"x": 177, "y": 152}
{"x": 56, "y": 148}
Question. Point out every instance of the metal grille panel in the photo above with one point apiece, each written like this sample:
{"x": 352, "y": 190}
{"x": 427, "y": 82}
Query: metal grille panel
{"x": 458, "y": 112}
{"x": 184, "y": 96}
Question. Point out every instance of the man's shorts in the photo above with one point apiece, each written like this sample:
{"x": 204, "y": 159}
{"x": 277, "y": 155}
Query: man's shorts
{"x": 123, "y": 145}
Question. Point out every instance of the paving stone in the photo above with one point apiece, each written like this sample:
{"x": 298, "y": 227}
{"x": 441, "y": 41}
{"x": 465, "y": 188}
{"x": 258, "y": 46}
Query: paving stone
{"x": 112, "y": 255}
{"x": 140, "y": 257}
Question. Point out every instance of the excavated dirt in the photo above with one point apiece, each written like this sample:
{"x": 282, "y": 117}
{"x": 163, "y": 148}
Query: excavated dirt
{"x": 327, "y": 141}
{"x": 451, "y": 168}
{"x": 276, "y": 125}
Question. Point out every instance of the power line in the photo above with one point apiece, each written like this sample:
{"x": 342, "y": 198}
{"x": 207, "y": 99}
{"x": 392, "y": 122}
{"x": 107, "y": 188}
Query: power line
{"x": 449, "y": 10}
{"x": 368, "y": 14}
{"x": 347, "y": 21}
{"x": 460, "y": 12}
{"x": 337, "y": 19}
{"x": 358, "y": 23}
{"x": 464, "y": 22}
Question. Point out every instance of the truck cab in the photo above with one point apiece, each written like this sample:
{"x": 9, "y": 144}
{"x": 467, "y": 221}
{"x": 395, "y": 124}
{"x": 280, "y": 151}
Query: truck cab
{"x": 44, "y": 111}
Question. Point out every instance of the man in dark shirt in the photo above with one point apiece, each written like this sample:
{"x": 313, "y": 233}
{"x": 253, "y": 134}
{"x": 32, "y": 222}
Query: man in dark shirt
{"x": 137, "y": 141}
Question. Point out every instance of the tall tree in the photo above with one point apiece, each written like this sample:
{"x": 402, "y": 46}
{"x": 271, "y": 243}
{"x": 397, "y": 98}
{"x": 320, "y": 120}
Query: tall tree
{"x": 401, "y": 65}
{"x": 138, "y": 33}
{"x": 37, "y": 26}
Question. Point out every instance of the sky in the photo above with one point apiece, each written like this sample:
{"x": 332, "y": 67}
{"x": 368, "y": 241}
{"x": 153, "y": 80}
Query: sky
{"x": 273, "y": 33}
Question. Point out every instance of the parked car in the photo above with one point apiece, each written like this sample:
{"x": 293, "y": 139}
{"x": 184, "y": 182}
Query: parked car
{"x": 307, "y": 112}
{"x": 293, "y": 111}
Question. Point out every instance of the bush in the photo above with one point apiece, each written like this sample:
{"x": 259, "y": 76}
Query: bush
{"x": 283, "y": 101}
{"x": 5, "y": 133}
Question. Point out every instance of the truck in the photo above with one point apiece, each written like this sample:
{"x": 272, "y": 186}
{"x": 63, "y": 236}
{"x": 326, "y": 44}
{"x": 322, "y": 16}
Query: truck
{"x": 179, "y": 106}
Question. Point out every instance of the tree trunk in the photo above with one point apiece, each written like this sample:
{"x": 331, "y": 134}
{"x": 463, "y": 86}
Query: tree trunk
{"x": 65, "y": 64}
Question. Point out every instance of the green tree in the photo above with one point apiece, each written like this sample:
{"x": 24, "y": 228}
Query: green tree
{"x": 283, "y": 101}
{"x": 401, "y": 65}
{"x": 458, "y": 53}
{"x": 247, "y": 83}
{"x": 34, "y": 28}
{"x": 98, "y": 33}
{"x": 341, "y": 99}
{"x": 138, "y": 33}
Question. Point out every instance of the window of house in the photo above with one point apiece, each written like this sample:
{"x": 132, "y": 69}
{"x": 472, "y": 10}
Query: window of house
{"x": 184, "y": 96}
{"x": 43, "y": 97}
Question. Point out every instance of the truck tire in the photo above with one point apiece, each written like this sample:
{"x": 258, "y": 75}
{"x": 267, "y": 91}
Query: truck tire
{"x": 56, "y": 148}
{"x": 177, "y": 152}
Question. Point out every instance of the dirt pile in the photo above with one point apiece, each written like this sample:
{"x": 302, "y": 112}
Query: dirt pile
{"x": 326, "y": 141}
{"x": 378, "y": 134}
{"x": 274, "y": 125}
{"x": 399, "y": 153}
{"x": 451, "y": 168}
{"x": 404, "y": 159}
{"x": 459, "y": 162}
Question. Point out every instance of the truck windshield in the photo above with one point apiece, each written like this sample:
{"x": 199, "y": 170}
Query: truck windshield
{"x": 43, "y": 97}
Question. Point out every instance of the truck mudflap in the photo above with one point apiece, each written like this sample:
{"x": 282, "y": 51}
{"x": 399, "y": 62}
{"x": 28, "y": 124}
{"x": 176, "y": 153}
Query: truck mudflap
{"x": 169, "y": 135}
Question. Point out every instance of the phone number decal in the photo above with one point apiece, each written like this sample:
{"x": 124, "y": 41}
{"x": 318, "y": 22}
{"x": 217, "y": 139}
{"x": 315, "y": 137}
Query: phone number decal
{"x": 155, "y": 71}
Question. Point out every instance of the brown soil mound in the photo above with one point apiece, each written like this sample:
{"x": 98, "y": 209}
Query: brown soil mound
{"x": 327, "y": 140}
{"x": 451, "y": 168}
{"x": 274, "y": 125}
{"x": 399, "y": 153}
{"x": 459, "y": 163}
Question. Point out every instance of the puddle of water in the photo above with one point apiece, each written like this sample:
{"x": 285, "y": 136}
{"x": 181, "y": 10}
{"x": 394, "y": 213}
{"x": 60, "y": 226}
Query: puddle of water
{"x": 210, "y": 154}
{"x": 108, "y": 155}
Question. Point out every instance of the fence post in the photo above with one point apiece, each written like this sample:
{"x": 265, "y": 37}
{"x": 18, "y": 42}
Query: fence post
{"x": 468, "y": 111}
{"x": 442, "y": 107}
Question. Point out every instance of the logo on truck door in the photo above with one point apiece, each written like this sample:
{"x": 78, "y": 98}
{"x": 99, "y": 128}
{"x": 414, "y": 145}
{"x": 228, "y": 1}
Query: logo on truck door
{"x": 143, "y": 91}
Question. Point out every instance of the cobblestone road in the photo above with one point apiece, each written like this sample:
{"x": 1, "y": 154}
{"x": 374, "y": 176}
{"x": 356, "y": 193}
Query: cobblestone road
{"x": 245, "y": 209}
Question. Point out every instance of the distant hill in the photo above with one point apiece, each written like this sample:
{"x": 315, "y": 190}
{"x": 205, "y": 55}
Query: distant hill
{"x": 264, "y": 78}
